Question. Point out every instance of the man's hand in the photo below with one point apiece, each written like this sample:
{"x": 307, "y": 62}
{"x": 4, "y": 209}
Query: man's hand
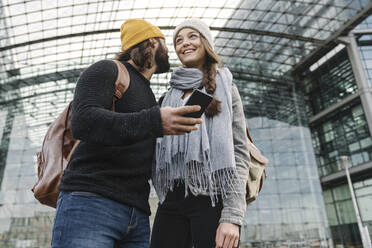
{"x": 227, "y": 235}
{"x": 174, "y": 123}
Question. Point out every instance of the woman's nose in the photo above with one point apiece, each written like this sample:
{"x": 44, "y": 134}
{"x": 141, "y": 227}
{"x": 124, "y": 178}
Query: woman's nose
{"x": 185, "y": 42}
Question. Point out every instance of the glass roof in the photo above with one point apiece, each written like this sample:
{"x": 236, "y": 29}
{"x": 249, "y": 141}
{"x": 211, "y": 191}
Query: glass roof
{"x": 44, "y": 45}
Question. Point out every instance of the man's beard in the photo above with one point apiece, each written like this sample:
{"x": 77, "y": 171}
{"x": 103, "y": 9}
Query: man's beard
{"x": 162, "y": 60}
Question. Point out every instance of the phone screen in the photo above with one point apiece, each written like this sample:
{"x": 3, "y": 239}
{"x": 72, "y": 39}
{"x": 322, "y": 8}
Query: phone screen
{"x": 198, "y": 98}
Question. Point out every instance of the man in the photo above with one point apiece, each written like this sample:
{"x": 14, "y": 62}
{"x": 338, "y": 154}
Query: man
{"x": 104, "y": 191}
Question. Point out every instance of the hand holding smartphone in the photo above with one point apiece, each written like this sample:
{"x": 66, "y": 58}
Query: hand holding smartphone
{"x": 200, "y": 98}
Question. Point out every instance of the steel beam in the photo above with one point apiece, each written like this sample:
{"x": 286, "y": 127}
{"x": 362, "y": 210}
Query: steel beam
{"x": 220, "y": 29}
{"x": 333, "y": 107}
{"x": 339, "y": 177}
{"x": 331, "y": 42}
{"x": 360, "y": 77}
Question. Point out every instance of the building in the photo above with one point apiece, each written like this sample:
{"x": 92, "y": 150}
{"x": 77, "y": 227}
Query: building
{"x": 338, "y": 92}
{"x": 304, "y": 72}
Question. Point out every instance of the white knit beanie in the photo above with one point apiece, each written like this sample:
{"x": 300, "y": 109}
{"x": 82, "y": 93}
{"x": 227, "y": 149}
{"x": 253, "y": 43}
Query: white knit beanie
{"x": 199, "y": 26}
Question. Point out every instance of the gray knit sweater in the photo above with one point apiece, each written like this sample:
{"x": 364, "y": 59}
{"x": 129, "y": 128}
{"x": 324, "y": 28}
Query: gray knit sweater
{"x": 234, "y": 206}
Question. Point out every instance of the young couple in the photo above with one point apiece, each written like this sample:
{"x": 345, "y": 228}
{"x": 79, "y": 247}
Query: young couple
{"x": 199, "y": 166}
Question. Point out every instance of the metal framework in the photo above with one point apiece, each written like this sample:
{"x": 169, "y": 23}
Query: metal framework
{"x": 44, "y": 45}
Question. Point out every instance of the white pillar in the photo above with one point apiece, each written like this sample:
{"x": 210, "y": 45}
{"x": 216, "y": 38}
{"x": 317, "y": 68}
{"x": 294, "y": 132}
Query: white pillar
{"x": 346, "y": 163}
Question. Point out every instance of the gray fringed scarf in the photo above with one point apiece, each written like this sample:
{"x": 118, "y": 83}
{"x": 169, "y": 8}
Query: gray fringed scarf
{"x": 204, "y": 159}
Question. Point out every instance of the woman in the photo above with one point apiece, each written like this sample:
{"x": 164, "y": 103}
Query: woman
{"x": 200, "y": 177}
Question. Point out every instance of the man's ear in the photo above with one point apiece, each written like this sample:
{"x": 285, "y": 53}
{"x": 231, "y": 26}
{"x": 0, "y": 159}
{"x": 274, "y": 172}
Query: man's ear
{"x": 153, "y": 42}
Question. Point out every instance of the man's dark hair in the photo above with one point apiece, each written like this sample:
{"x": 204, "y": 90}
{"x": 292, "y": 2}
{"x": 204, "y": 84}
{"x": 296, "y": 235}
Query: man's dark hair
{"x": 141, "y": 55}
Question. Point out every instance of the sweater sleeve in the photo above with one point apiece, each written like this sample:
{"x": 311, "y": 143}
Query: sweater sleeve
{"x": 92, "y": 119}
{"x": 234, "y": 206}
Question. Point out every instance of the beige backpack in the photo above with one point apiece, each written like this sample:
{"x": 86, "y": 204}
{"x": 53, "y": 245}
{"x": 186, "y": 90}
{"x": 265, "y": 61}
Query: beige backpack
{"x": 256, "y": 171}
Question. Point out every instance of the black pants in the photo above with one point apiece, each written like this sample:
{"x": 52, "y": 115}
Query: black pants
{"x": 185, "y": 222}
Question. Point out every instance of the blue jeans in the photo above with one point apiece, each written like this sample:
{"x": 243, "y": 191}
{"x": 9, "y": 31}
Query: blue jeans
{"x": 87, "y": 220}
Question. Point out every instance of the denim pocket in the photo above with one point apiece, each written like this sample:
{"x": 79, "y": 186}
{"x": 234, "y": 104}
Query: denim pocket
{"x": 84, "y": 193}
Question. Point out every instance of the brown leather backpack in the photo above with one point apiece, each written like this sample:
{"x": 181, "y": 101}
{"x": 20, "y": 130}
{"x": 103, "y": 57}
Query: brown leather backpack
{"x": 59, "y": 144}
{"x": 257, "y": 168}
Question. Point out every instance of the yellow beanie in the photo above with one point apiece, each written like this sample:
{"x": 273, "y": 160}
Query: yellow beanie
{"x": 134, "y": 31}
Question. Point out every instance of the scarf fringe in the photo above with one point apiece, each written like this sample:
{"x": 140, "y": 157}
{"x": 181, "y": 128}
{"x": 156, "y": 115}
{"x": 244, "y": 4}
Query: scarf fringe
{"x": 198, "y": 178}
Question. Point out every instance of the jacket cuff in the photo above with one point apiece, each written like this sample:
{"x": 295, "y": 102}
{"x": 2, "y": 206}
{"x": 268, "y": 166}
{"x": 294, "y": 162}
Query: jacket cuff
{"x": 232, "y": 215}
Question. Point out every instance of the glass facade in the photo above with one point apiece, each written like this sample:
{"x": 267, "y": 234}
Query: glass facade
{"x": 363, "y": 192}
{"x": 330, "y": 83}
{"x": 344, "y": 132}
{"x": 366, "y": 24}
{"x": 23, "y": 221}
{"x": 290, "y": 210}
{"x": 45, "y": 45}
{"x": 341, "y": 213}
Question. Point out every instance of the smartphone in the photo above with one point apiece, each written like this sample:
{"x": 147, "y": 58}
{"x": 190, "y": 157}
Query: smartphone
{"x": 200, "y": 98}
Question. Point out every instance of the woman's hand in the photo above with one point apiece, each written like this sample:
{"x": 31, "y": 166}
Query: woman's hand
{"x": 227, "y": 235}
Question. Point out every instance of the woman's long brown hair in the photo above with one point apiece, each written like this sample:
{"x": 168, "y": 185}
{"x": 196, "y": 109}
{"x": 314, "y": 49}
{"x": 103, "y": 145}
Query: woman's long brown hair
{"x": 209, "y": 77}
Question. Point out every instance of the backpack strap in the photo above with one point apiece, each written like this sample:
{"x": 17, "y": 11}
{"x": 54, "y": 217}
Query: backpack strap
{"x": 121, "y": 84}
{"x": 248, "y": 134}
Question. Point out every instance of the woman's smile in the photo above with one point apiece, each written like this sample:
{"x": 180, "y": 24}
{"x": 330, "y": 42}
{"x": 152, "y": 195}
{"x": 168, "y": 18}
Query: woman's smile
{"x": 188, "y": 51}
